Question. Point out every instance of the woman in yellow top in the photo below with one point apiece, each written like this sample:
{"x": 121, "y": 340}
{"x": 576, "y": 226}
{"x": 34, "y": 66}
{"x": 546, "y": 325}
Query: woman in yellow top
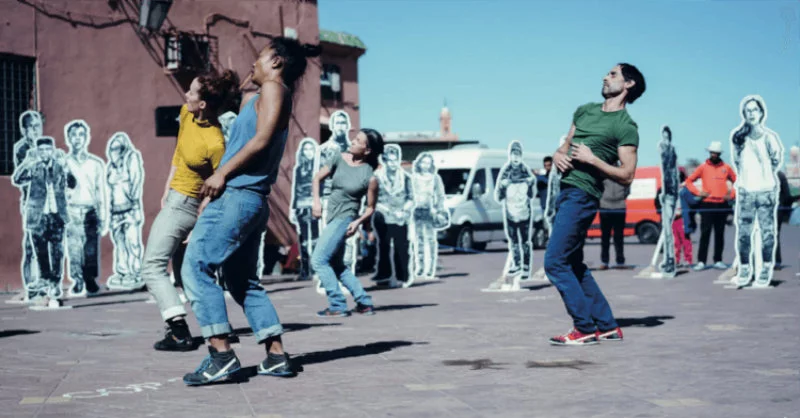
{"x": 197, "y": 154}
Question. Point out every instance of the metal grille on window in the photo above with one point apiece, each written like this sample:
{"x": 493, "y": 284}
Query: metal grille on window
{"x": 17, "y": 94}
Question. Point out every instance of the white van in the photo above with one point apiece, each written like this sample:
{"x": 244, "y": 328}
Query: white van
{"x": 469, "y": 176}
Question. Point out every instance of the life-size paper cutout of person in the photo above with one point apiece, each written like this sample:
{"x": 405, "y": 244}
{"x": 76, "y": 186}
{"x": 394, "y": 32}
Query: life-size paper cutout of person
{"x": 553, "y": 190}
{"x": 125, "y": 178}
{"x": 515, "y": 191}
{"x": 670, "y": 184}
{"x": 307, "y": 225}
{"x": 31, "y": 126}
{"x": 757, "y": 154}
{"x": 86, "y": 206}
{"x": 392, "y": 216}
{"x": 43, "y": 174}
{"x": 430, "y": 215}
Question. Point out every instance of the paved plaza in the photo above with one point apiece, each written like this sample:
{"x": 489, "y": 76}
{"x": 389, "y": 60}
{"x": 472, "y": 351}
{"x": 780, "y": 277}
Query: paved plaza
{"x": 439, "y": 349}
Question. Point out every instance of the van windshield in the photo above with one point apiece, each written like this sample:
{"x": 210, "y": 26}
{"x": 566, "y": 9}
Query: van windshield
{"x": 454, "y": 179}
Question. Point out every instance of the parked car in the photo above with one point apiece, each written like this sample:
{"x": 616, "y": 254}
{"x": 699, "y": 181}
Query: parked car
{"x": 469, "y": 177}
{"x": 641, "y": 217}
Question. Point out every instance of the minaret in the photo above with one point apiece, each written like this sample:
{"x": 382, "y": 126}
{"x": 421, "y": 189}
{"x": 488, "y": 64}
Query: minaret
{"x": 445, "y": 129}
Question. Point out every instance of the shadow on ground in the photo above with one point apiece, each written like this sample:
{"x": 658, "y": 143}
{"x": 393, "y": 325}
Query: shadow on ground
{"x": 13, "y": 332}
{"x": 647, "y": 321}
{"x": 115, "y": 302}
{"x": 403, "y": 307}
{"x": 318, "y": 357}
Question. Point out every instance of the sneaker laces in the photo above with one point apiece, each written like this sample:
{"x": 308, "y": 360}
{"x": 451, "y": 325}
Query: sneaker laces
{"x": 204, "y": 365}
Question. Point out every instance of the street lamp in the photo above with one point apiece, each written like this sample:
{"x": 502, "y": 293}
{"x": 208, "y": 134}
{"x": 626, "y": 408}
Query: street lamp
{"x": 153, "y": 12}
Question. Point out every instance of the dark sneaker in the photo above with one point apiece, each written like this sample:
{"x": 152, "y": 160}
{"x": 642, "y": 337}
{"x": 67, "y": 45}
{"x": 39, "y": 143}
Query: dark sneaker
{"x": 612, "y": 335}
{"x": 276, "y": 365}
{"x": 365, "y": 309}
{"x": 77, "y": 288}
{"x": 172, "y": 343}
{"x": 91, "y": 287}
{"x": 327, "y": 313}
{"x": 575, "y": 337}
{"x": 215, "y": 367}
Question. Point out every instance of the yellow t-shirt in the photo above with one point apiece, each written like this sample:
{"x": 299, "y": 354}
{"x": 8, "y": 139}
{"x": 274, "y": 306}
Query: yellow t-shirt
{"x": 197, "y": 154}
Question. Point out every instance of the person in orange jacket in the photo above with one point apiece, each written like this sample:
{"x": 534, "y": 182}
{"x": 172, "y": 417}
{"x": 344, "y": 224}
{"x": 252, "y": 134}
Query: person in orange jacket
{"x": 715, "y": 204}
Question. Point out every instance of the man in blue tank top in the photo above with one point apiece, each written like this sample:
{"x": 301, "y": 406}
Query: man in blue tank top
{"x": 228, "y": 231}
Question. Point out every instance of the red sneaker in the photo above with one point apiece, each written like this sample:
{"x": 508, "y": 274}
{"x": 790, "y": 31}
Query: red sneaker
{"x": 575, "y": 337}
{"x": 612, "y": 335}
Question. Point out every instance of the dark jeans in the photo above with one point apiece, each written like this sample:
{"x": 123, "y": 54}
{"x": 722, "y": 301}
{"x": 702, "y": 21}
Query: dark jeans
{"x": 712, "y": 216}
{"x": 48, "y": 243}
{"x": 308, "y": 231}
{"x": 563, "y": 262}
{"x": 612, "y": 220}
{"x": 689, "y": 204}
{"x": 519, "y": 243}
{"x": 388, "y": 233}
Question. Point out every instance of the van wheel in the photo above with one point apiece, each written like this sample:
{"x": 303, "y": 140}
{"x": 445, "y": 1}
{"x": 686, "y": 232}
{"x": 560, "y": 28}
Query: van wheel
{"x": 648, "y": 232}
{"x": 464, "y": 242}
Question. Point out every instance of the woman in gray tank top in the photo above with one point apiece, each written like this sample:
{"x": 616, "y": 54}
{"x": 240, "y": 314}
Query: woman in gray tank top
{"x": 352, "y": 178}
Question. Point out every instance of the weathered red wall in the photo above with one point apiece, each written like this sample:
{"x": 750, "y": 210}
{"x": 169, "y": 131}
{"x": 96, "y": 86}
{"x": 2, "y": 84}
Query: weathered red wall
{"x": 107, "y": 77}
{"x": 348, "y": 65}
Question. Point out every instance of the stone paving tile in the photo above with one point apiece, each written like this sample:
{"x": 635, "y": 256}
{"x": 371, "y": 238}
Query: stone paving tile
{"x": 438, "y": 349}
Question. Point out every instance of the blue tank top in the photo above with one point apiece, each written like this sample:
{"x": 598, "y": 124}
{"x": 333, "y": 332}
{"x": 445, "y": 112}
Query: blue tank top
{"x": 260, "y": 175}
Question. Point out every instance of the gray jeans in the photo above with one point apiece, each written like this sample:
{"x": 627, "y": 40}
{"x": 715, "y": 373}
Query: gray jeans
{"x": 170, "y": 228}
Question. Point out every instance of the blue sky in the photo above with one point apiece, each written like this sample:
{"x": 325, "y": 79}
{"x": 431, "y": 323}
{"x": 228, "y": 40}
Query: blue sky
{"x": 518, "y": 69}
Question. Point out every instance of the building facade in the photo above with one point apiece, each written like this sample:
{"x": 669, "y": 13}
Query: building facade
{"x": 91, "y": 60}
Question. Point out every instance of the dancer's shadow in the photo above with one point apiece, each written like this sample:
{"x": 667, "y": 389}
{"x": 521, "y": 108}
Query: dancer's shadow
{"x": 115, "y": 302}
{"x": 450, "y": 275}
{"x": 647, "y": 321}
{"x": 376, "y": 288}
{"x": 285, "y": 289}
{"x": 13, "y": 332}
{"x": 536, "y": 287}
{"x": 403, "y": 307}
{"x": 233, "y": 337}
{"x": 317, "y": 357}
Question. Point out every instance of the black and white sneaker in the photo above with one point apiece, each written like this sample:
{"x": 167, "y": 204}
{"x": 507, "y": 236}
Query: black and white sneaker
{"x": 215, "y": 367}
{"x": 171, "y": 342}
{"x": 276, "y": 365}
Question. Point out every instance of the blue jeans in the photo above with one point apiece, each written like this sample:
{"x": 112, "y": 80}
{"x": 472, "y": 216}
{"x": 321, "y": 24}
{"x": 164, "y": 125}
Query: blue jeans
{"x": 328, "y": 262}
{"x": 228, "y": 234}
{"x": 563, "y": 262}
{"x": 689, "y": 204}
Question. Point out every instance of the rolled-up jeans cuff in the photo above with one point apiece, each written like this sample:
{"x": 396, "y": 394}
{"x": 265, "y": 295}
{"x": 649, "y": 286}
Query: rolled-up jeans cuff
{"x": 214, "y": 330}
{"x": 172, "y": 312}
{"x": 265, "y": 333}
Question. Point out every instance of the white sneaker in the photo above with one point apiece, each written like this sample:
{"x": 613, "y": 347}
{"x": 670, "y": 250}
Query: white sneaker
{"x": 719, "y": 265}
{"x": 699, "y": 266}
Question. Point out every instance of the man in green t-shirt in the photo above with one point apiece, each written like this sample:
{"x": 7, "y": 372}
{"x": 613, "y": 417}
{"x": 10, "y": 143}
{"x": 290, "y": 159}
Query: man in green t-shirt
{"x": 601, "y": 143}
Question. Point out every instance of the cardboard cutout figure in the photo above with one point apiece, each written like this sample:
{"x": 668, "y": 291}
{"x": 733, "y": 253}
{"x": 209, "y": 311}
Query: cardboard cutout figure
{"x": 31, "y": 127}
{"x": 307, "y": 225}
{"x": 514, "y": 191}
{"x": 391, "y": 219}
{"x": 757, "y": 154}
{"x": 43, "y": 177}
{"x": 430, "y": 215}
{"x": 670, "y": 184}
{"x": 553, "y": 190}
{"x": 125, "y": 178}
{"x": 226, "y": 121}
{"x": 86, "y": 206}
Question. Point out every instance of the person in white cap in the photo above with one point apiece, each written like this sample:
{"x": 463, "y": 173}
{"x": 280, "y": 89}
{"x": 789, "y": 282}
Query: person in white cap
{"x": 715, "y": 206}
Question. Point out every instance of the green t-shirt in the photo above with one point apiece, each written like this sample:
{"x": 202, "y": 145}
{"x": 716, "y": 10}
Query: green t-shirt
{"x": 603, "y": 133}
{"x": 349, "y": 185}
